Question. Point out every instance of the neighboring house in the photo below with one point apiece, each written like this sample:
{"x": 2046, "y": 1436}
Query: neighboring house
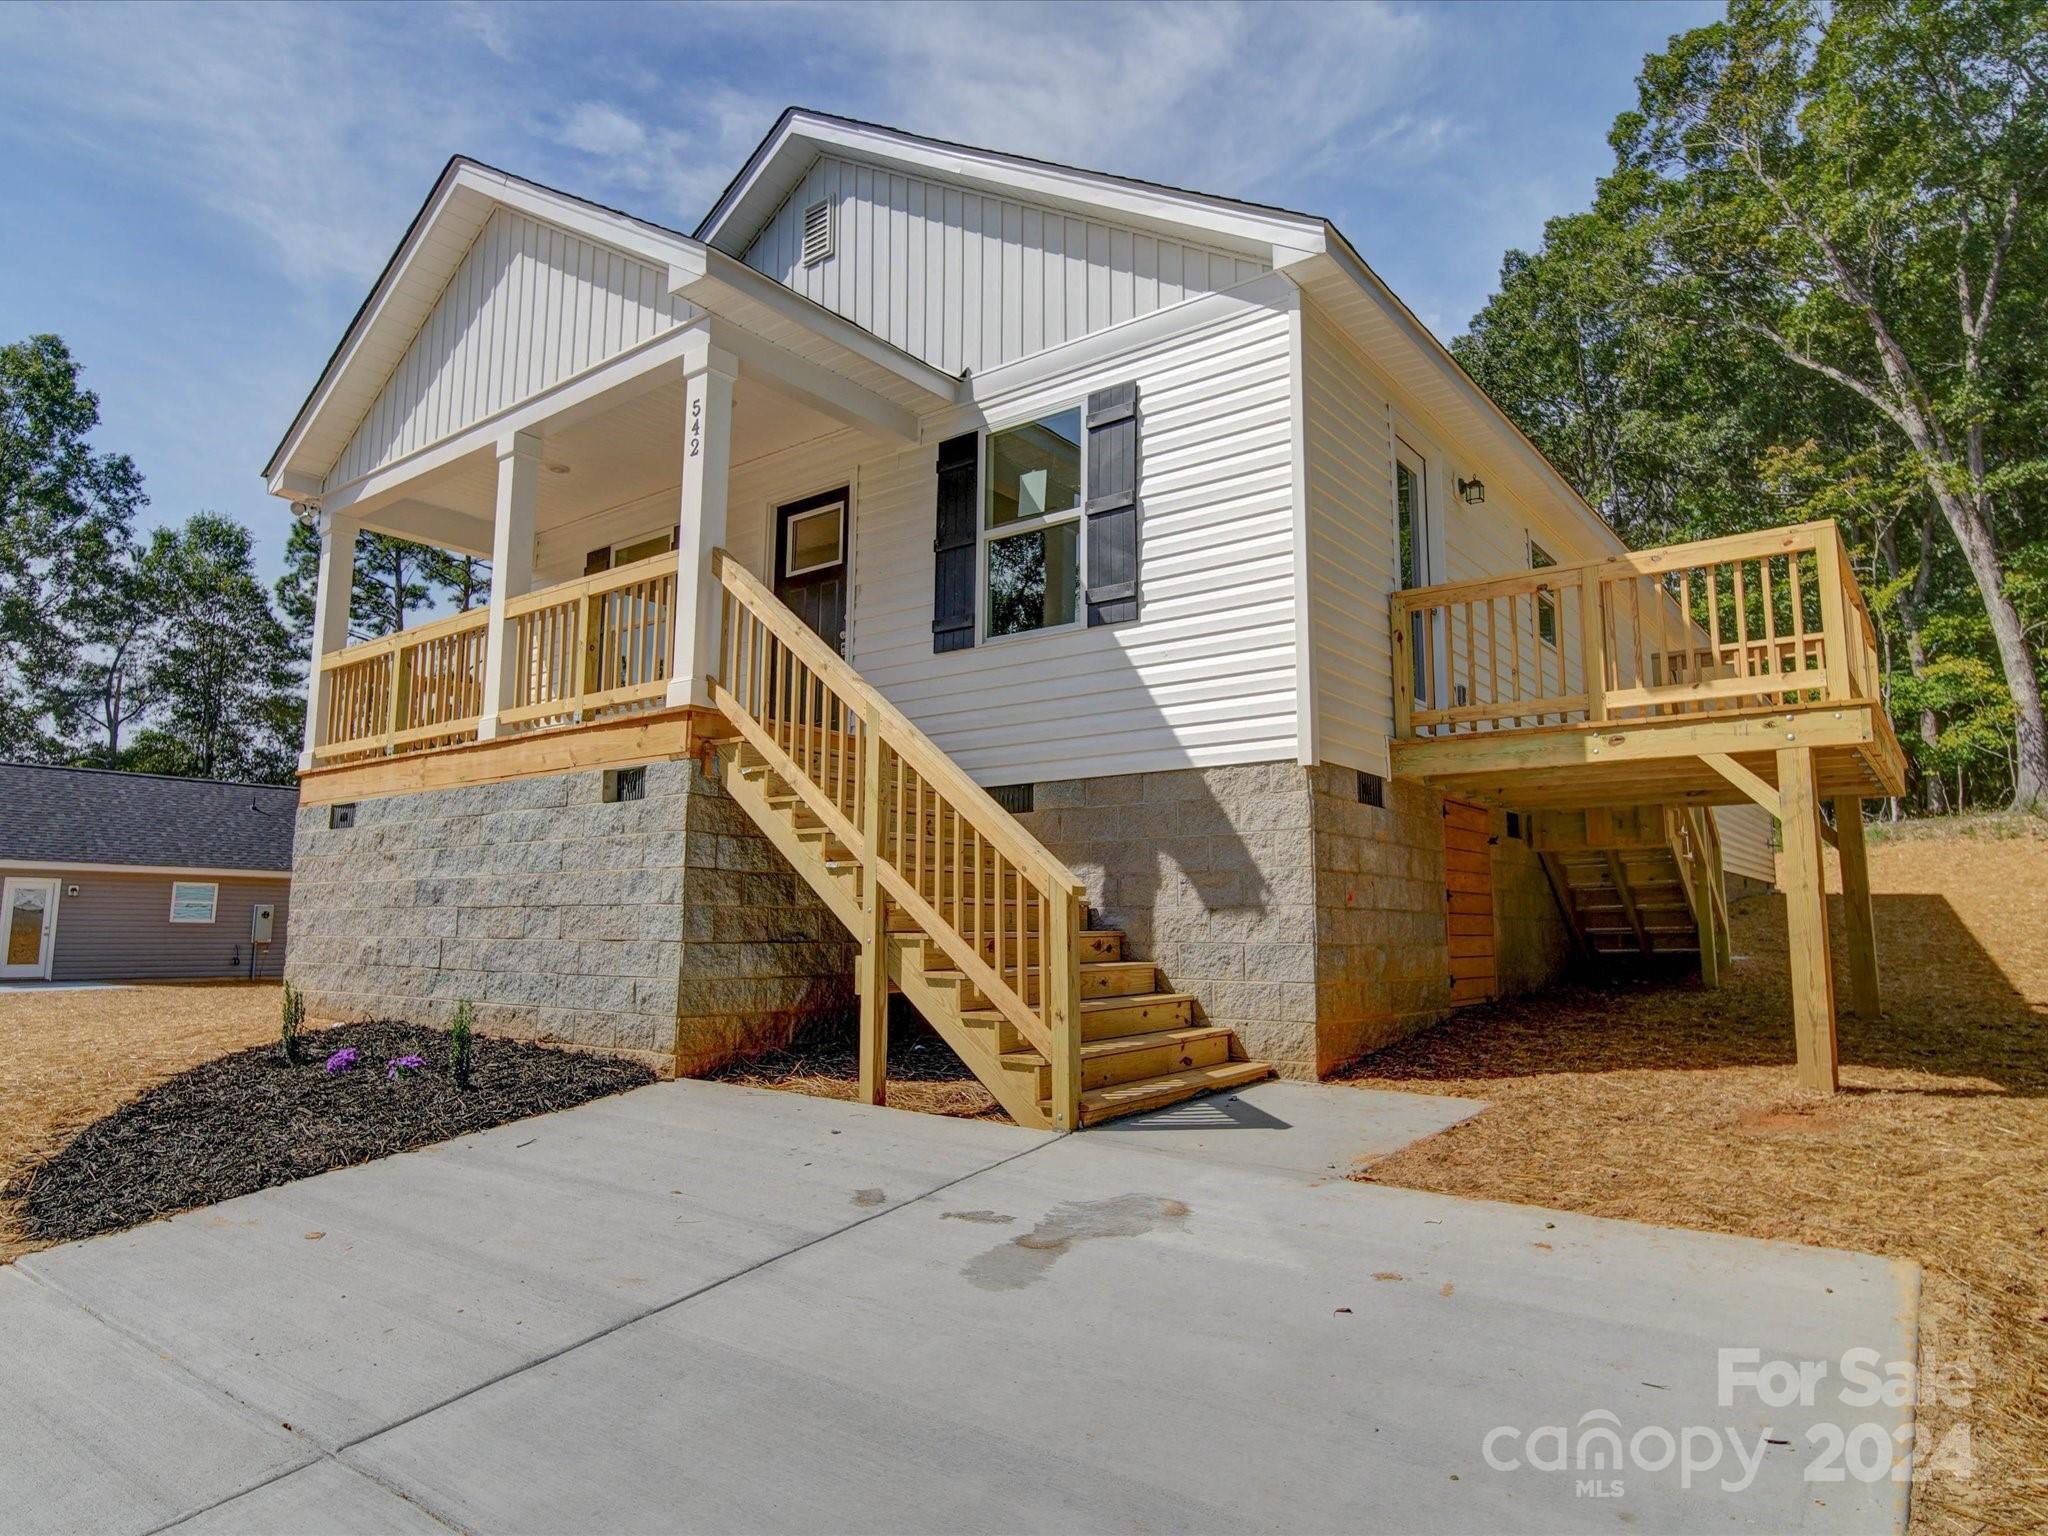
{"x": 1022, "y": 588}
{"x": 137, "y": 876}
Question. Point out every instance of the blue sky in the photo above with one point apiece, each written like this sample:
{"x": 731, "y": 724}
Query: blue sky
{"x": 198, "y": 198}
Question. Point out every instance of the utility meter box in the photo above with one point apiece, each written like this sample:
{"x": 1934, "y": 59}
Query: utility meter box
{"x": 261, "y": 916}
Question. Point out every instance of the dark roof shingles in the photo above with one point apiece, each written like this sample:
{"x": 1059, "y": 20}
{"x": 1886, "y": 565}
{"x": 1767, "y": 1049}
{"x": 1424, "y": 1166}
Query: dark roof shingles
{"x": 95, "y": 816}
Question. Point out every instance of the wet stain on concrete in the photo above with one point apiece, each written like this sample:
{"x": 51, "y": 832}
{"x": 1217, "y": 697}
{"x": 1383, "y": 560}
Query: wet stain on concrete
{"x": 868, "y": 1197}
{"x": 983, "y": 1218}
{"x": 1025, "y": 1260}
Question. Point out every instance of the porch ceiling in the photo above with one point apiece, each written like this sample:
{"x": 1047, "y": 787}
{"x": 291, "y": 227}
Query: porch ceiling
{"x": 595, "y": 464}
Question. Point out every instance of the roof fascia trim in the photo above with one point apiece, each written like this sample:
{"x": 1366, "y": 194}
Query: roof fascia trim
{"x": 1279, "y": 235}
{"x": 1354, "y": 266}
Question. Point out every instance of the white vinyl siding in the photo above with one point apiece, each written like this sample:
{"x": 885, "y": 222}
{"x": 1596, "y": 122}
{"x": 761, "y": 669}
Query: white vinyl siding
{"x": 529, "y": 306}
{"x": 1352, "y": 547}
{"x": 1206, "y": 675}
{"x": 1746, "y": 832}
{"x": 967, "y": 281}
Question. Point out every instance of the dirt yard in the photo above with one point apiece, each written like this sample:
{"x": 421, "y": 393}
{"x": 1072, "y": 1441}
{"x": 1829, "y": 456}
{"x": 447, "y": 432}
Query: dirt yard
{"x": 68, "y": 1057}
{"x": 1675, "y": 1105}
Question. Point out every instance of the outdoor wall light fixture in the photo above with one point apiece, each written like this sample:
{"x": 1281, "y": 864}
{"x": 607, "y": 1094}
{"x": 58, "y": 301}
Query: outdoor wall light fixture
{"x": 1473, "y": 491}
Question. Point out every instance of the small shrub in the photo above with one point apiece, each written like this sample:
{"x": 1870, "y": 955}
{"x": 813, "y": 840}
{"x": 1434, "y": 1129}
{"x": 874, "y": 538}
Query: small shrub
{"x": 291, "y": 1023}
{"x": 342, "y": 1059}
{"x": 402, "y": 1066}
{"x": 462, "y": 1042}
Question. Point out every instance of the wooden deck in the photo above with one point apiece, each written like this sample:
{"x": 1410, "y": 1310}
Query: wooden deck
{"x": 1713, "y": 673}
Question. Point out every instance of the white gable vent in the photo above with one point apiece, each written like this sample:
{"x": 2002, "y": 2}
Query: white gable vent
{"x": 817, "y": 232}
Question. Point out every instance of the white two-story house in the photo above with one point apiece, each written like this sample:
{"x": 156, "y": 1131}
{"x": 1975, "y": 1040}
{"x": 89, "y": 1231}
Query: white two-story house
{"x": 1098, "y": 612}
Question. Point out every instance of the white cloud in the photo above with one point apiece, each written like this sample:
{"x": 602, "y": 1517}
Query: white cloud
{"x": 596, "y": 128}
{"x": 489, "y": 24}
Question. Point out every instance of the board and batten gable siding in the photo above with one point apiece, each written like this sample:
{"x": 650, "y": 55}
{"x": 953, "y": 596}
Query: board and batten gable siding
{"x": 529, "y": 306}
{"x": 966, "y": 280}
{"x": 118, "y": 927}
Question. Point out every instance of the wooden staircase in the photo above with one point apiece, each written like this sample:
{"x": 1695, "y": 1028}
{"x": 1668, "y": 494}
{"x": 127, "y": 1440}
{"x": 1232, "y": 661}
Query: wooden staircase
{"x": 1639, "y": 883}
{"x": 955, "y": 904}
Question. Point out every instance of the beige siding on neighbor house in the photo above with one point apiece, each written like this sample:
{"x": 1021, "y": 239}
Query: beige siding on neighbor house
{"x": 118, "y": 926}
{"x": 530, "y": 306}
{"x": 967, "y": 281}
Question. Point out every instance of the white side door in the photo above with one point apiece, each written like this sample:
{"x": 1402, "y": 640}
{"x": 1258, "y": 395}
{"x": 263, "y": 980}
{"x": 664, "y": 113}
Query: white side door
{"x": 28, "y": 928}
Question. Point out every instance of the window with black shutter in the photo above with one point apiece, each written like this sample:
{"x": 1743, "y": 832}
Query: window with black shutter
{"x": 1113, "y": 505}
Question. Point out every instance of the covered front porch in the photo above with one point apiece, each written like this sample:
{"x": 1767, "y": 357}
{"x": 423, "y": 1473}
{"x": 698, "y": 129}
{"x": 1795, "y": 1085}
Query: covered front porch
{"x": 599, "y": 506}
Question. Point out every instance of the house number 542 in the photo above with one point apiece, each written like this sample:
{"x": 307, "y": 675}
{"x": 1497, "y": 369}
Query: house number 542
{"x": 696, "y": 427}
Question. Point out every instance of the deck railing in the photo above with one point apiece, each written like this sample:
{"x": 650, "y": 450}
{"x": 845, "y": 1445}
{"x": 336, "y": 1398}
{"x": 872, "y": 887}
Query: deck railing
{"x": 1004, "y": 911}
{"x": 584, "y": 650}
{"x": 1759, "y": 621}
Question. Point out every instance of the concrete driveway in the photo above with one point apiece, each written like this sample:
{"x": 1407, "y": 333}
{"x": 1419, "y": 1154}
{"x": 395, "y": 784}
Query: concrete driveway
{"x": 703, "y": 1308}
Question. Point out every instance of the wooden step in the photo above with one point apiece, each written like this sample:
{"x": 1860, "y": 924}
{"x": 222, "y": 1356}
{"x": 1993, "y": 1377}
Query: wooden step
{"x": 1104, "y": 1018}
{"x": 1099, "y": 978}
{"x": 1127, "y": 1058}
{"x": 1100, "y": 1104}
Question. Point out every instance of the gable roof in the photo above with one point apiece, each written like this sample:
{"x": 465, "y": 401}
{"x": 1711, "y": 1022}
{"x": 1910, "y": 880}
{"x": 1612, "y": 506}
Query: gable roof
{"x": 1312, "y": 250}
{"x": 53, "y": 815}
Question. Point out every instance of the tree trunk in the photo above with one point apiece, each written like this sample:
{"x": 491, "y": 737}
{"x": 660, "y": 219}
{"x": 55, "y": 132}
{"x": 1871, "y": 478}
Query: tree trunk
{"x": 1911, "y": 606}
{"x": 1973, "y": 533}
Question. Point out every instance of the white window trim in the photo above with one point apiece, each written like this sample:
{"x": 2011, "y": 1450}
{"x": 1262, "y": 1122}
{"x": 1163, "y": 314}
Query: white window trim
{"x": 212, "y": 911}
{"x": 791, "y": 572}
{"x": 1530, "y": 550}
{"x": 985, "y": 535}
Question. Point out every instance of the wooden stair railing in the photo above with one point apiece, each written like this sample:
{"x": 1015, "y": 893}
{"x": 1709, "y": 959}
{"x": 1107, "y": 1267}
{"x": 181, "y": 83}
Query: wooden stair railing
{"x": 929, "y": 841}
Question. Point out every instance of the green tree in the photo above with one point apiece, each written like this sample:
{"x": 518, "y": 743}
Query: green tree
{"x": 393, "y": 579}
{"x": 65, "y": 517}
{"x": 1860, "y": 190}
{"x": 229, "y": 703}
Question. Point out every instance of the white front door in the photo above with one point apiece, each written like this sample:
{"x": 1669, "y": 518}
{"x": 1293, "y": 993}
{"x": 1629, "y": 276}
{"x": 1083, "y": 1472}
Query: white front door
{"x": 28, "y": 928}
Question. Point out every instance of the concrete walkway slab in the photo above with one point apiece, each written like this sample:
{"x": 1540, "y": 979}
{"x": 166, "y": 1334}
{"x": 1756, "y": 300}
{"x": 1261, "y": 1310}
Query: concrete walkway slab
{"x": 1173, "y": 1345}
{"x": 327, "y": 1496}
{"x": 696, "y": 1307}
{"x": 1317, "y": 1130}
{"x": 97, "y": 1433}
{"x": 346, "y": 1302}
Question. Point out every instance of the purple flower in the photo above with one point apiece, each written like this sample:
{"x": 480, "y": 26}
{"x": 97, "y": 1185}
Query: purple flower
{"x": 402, "y": 1066}
{"x": 342, "y": 1059}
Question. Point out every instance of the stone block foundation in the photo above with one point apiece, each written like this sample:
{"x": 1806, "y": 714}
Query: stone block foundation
{"x": 665, "y": 928}
{"x": 1310, "y": 923}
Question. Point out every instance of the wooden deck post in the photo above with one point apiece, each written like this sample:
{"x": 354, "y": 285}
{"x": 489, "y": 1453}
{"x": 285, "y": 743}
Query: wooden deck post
{"x": 1806, "y": 922}
{"x": 1062, "y": 918}
{"x": 1861, "y": 920}
{"x": 874, "y": 938}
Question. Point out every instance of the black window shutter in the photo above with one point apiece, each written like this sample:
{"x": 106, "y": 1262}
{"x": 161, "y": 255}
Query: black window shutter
{"x": 953, "y": 567}
{"x": 1113, "y": 505}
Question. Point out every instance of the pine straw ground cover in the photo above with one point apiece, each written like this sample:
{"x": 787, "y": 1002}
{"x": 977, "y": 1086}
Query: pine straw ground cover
{"x": 250, "y": 1120}
{"x": 66, "y": 1058}
{"x": 1676, "y": 1106}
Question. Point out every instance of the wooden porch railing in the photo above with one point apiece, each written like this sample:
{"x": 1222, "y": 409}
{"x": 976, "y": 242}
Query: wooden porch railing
{"x": 584, "y": 650}
{"x": 1759, "y": 621}
{"x": 405, "y": 692}
{"x": 1005, "y": 912}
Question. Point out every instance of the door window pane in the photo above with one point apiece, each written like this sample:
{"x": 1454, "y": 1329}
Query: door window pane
{"x": 1408, "y": 506}
{"x": 1035, "y": 469}
{"x": 25, "y": 926}
{"x": 814, "y": 539}
{"x": 1034, "y": 580}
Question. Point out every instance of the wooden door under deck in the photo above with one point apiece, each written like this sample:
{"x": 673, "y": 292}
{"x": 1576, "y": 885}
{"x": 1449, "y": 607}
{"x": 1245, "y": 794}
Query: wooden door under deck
{"x": 1468, "y": 902}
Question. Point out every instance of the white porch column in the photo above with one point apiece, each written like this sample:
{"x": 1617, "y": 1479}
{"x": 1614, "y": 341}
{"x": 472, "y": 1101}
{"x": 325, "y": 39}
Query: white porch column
{"x": 707, "y": 453}
{"x": 331, "y": 595}
{"x": 511, "y": 568}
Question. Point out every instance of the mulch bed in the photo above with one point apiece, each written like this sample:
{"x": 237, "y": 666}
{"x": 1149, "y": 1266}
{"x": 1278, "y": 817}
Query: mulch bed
{"x": 924, "y": 1074}
{"x": 247, "y": 1121}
